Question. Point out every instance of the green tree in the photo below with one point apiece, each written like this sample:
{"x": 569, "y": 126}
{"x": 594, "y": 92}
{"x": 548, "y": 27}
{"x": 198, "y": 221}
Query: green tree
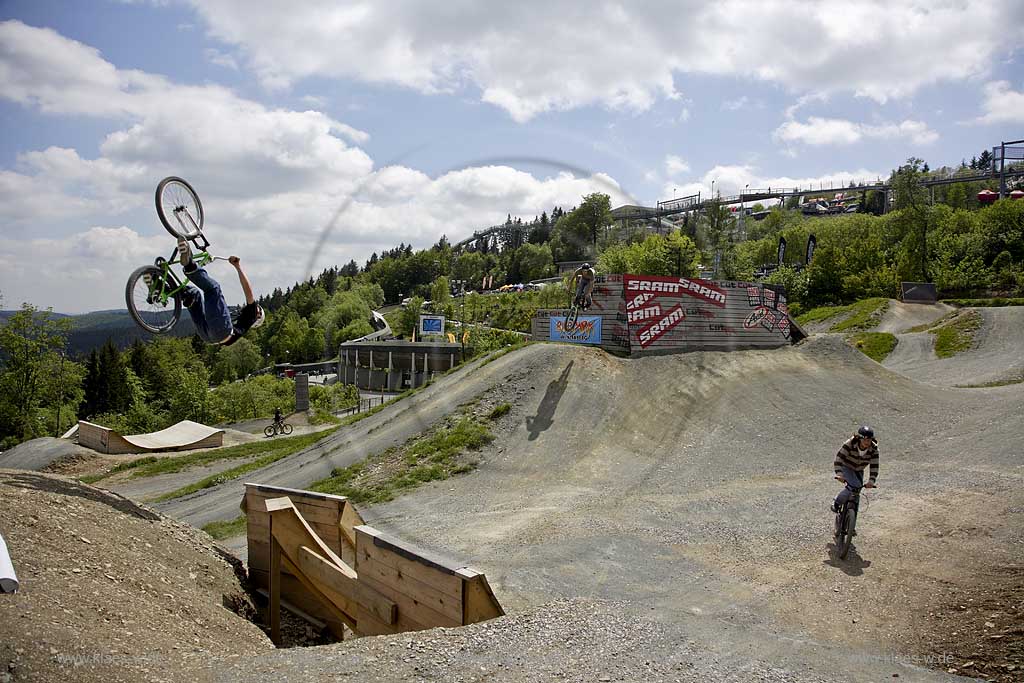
{"x": 535, "y": 262}
{"x": 30, "y": 345}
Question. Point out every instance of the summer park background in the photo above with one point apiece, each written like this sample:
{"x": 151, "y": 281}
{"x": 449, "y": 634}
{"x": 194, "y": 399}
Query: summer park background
{"x": 55, "y": 369}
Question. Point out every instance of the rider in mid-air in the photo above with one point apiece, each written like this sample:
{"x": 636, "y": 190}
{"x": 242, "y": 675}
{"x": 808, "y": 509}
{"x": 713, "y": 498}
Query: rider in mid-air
{"x": 583, "y": 282}
{"x": 207, "y": 306}
{"x": 856, "y": 453}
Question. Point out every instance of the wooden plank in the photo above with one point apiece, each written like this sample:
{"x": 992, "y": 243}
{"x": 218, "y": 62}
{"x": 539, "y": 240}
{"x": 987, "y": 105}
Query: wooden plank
{"x": 332, "y": 608}
{"x": 316, "y": 509}
{"x": 275, "y": 593}
{"x": 417, "y": 591}
{"x": 331, "y": 579}
{"x": 291, "y": 530}
{"x": 350, "y": 519}
{"x": 308, "y": 497}
{"x": 294, "y": 609}
{"x": 478, "y": 600}
{"x": 412, "y": 614}
{"x": 372, "y": 544}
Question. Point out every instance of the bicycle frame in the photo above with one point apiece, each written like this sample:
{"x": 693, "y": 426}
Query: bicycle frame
{"x": 158, "y": 291}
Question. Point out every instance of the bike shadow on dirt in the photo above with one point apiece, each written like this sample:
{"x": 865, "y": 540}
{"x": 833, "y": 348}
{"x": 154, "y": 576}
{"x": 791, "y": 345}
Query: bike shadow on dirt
{"x": 853, "y": 565}
{"x": 544, "y": 418}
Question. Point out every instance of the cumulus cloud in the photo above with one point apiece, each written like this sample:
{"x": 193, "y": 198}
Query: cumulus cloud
{"x": 675, "y": 165}
{"x": 271, "y": 180}
{"x": 1002, "y": 104}
{"x": 823, "y": 131}
{"x": 531, "y": 57}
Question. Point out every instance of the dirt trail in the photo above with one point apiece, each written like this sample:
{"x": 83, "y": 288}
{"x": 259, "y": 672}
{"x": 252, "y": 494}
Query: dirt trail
{"x": 696, "y": 487}
{"x": 997, "y": 353}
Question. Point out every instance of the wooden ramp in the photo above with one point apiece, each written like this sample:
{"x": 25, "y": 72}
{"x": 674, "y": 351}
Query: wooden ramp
{"x": 312, "y": 551}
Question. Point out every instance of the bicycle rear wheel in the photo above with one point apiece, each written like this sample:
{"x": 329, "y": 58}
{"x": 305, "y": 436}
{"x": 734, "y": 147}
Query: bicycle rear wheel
{"x": 179, "y": 208}
{"x": 145, "y": 302}
{"x": 270, "y": 431}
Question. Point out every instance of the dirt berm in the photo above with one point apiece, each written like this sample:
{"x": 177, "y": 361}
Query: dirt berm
{"x": 111, "y": 591}
{"x": 685, "y": 498}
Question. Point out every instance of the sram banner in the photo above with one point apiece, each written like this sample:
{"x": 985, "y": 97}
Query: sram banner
{"x": 639, "y": 287}
{"x": 586, "y": 331}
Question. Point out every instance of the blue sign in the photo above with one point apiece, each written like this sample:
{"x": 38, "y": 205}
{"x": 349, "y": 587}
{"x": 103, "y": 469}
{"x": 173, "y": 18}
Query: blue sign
{"x": 586, "y": 331}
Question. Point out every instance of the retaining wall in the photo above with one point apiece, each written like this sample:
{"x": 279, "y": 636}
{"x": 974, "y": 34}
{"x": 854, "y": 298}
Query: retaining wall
{"x": 646, "y": 315}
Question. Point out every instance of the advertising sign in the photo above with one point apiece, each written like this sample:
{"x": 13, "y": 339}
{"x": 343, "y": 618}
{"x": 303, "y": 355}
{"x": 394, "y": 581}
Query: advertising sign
{"x": 431, "y": 324}
{"x": 586, "y": 331}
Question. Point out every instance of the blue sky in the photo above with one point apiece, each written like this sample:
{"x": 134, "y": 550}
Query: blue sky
{"x": 415, "y": 117}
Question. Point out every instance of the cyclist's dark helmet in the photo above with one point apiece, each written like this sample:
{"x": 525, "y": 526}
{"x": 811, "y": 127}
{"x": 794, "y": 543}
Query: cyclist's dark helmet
{"x": 585, "y": 266}
{"x": 866, "y": 432}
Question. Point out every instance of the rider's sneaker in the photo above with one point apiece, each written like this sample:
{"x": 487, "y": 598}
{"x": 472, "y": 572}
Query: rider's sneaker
{"x": 184, "y": 254}
{"x": 188, "y": 297}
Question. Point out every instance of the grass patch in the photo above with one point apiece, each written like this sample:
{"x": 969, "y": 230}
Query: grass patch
{"x": 221, "y": 530}
{"x": 995, "y": 383}
{"x": 985, "y": 303}
{"x": 508, "y": 349}
{"x": 874, "y": 345}
{"x": 279, "y": 448}
{"x": 861, "y": 315}
{"x": 935, "y": 323}
{"x": 956, "y": 335}
{"x": 432, "y": 457}
{"x": 150, "y": 467}
{"x": 500, "y": 410}
{"x": 322, "y": 417}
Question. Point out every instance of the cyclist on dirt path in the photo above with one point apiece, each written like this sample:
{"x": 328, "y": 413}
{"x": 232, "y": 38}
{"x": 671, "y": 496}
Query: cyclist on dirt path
{"x": 583, "y": 282}
{"x": 208, "y": 308}
{"x": 856, "y": 453}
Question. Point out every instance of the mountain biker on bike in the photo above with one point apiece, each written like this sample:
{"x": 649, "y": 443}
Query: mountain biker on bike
{"x": 277, "y": 416}
{"x": 583, "y": 282}
{"x": 207, "y": 306}
{"x": 856, "y": 453}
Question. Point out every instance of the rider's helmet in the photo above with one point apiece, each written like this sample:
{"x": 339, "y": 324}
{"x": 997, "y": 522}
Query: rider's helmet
{"x": 261, "y": 317}
{"x": 866, "y": 432}
{"x": 585, "y": 266}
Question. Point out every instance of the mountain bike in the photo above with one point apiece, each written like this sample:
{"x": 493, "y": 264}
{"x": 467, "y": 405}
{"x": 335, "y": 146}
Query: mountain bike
{"x": 846, "y": 521}
{"x": 152, "y": 292}
{"x": 278, "y": 426}
{"x": 576, "y": 304}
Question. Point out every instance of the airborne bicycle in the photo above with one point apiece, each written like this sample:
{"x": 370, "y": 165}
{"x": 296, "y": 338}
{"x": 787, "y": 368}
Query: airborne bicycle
{"x": 152, "y": 292}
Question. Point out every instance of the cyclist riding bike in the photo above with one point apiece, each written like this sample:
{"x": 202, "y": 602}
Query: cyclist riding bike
{"x": 583, "y": 282}
{"x": 858, "y": 452}
{"x": 208, "y": 308}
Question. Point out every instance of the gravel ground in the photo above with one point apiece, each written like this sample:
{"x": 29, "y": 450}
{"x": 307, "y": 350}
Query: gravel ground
{"x": 997, "y": 353}
{"x": 111, "y": 591}
{"x": 900, "y": 316}
{"x": 665, "y": 519}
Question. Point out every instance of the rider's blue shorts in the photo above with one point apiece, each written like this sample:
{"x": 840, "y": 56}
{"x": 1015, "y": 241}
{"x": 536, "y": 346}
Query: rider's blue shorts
{"x": 208, "y": 308}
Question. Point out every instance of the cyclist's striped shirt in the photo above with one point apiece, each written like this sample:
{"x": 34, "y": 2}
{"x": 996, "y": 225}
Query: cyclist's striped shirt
{"x": 849, "y": 455}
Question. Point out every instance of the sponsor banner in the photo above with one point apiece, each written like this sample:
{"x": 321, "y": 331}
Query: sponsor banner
{"x": 656, "y": 330}
{"x": 642, "y": 314}
{"x": 671, "y": 286}
{"x": 586, "y": 331}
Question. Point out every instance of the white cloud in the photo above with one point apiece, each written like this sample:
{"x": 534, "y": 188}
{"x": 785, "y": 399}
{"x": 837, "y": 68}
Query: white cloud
{"x": 732, "y": 180}
{"x": 822, "y": 131}
{"x": 1002, "y": 104}
{"x": 675, "y": 165}
{"x": 741, "y": 102}
{"x": 270, "y": 181}
{"x": 215, "y": 56}
{"x": 531, "y": 57}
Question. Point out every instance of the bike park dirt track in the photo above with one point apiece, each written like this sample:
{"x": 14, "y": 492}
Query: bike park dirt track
{"x": 690, "y": 492}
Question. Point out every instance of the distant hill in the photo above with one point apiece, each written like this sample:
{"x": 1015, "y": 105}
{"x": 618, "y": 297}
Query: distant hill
{"x": 91, "y": 330}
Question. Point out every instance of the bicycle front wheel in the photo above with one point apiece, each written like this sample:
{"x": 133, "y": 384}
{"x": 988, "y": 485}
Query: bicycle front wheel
{"x": 270, "y": 431}
{"x": 148, "y": 303}
{"x": 846, "y": 537}
{"x": 179, "y": 208}
{"x": 286, "y": 429}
